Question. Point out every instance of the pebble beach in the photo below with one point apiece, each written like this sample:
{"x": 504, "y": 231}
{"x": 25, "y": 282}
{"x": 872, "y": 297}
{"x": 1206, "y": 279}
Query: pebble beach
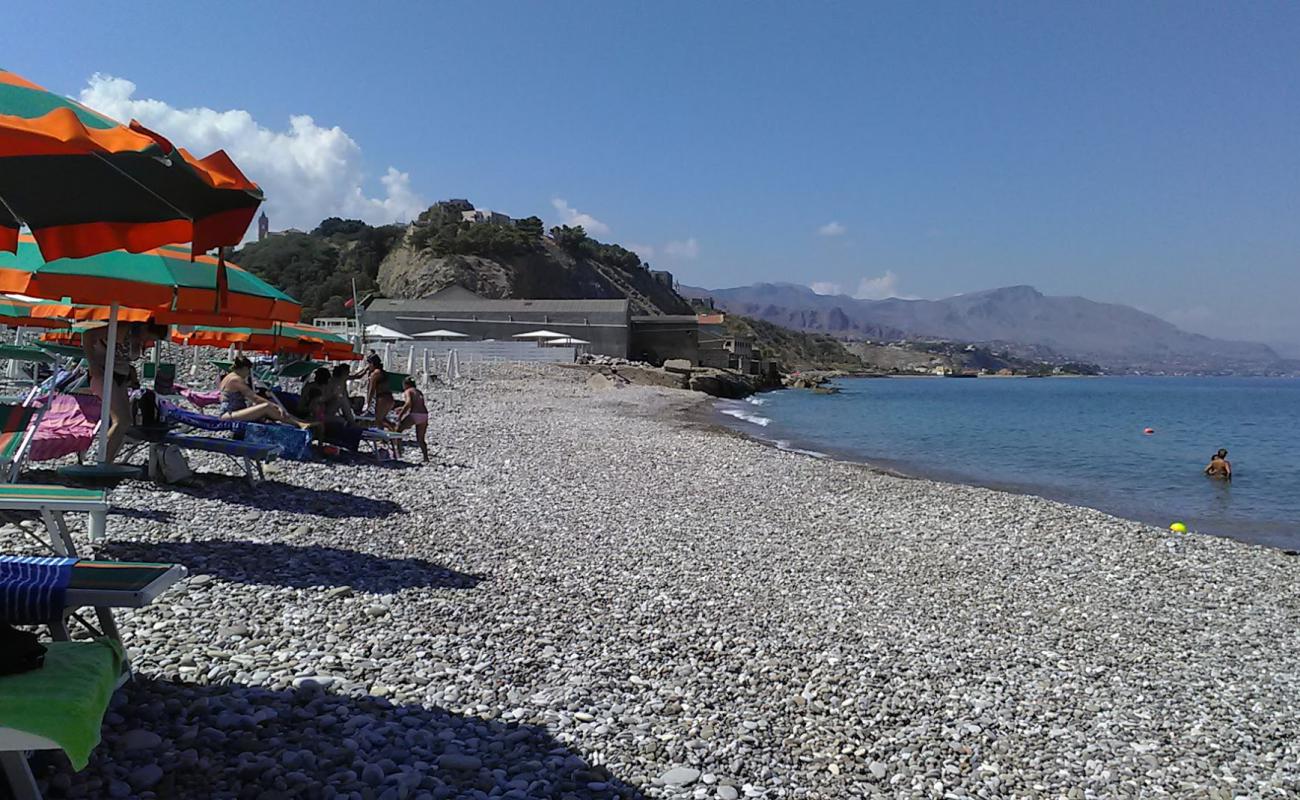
{"x": 593, "y": 593}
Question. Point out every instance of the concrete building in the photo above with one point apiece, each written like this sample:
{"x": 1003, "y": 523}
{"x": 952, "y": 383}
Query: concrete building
{"x": 662, "y": 276}
{"x": 659, "y": 338}
{"x": 263, "y": 227}
{"x": 728, "y": 352}
{"x": 486, "y": 216}
{"x": 607, "y": 324}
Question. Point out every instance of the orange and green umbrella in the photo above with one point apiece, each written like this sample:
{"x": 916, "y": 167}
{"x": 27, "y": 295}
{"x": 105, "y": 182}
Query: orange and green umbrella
{"x": 279, "y": 338}
{"x": 18, "y": 313}
{"x": 86, "y": 184}
{"x": 164, "y": 282}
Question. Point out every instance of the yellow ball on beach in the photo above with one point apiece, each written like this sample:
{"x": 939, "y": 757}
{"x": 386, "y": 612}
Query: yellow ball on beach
{"x": 1178, "y": 527}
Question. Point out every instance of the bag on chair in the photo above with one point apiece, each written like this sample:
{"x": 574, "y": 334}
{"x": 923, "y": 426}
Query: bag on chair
{"x": 173, "y": 465}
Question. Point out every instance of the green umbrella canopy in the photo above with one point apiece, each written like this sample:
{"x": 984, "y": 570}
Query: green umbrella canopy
{"x": 164, "y": 281}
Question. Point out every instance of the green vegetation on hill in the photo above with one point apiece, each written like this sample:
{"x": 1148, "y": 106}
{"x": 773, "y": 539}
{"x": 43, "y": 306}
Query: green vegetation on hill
{"x": 318, "y": 268}
{"x": 794, "y": 350}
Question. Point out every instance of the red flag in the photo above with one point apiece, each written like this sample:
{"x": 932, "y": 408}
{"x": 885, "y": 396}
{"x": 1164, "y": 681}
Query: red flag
{"x": 350, "y": 302}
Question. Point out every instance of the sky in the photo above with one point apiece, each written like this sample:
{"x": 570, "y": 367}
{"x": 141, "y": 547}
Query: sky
{"x": 1141, "y": 153}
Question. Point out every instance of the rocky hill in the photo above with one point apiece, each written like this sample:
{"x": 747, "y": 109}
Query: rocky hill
{"x": 515, "y": 259}
{"x": 795, "y": 350}
{"x": 1017, "y": 318}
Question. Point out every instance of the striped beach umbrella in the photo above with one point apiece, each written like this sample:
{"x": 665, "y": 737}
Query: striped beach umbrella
{"x": 166, "y": 282}
{"x": 17, "y": 313}
{"x": 163, "y": 281}
{"x": 86, "y": 184}
{"x": 279, "y": 338}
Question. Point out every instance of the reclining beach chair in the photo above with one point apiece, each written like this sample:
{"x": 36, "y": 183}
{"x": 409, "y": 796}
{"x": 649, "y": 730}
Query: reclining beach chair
{"x": 65, "y": 426}
{"x": 17, "y": 427}
{"x": 250, "y": 456}
{"x": 61, "y": 705}
{"x": 160, "y": 377}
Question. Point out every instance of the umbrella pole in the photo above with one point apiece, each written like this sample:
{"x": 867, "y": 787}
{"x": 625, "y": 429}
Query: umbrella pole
{"x": 106, "y": 399}
{"x": 13, "y": 362}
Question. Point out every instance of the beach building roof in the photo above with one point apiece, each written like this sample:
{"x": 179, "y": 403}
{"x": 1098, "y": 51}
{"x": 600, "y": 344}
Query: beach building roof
{"x": 382, "y": 332}
{"x": 441, "y": 334}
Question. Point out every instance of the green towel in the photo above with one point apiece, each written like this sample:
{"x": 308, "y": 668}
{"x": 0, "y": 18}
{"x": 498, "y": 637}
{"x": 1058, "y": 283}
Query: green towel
{"x": 65, "y": 700}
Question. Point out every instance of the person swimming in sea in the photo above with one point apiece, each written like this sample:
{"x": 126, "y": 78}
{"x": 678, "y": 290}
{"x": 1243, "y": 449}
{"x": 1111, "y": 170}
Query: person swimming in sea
{"x": 1220, "y": 467}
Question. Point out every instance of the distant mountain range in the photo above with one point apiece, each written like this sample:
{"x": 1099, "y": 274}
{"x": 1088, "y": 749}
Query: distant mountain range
{"x": 1019, "y": 318}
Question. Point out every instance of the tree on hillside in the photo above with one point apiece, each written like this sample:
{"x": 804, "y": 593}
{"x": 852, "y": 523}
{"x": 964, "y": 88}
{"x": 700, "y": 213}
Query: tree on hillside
{"x": 531, "y": 226}
{"x": 335, "y": 225}
{"x": 570, "y": 239}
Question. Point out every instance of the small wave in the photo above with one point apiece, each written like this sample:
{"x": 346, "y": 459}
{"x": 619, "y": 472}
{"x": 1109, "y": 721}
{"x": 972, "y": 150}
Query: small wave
{"x": 756, "y": 400}
{"x": 782, "y": 444}
{"x": 742, "y": 414}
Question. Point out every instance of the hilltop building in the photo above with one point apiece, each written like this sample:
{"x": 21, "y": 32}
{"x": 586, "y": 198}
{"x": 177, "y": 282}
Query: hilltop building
{"x": 263, "y": 227}
{"x": 486, "y": 216}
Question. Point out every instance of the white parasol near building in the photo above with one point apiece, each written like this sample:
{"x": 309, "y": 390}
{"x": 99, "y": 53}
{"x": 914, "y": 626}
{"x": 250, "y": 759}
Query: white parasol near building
{"x": 539, "y": 335}
{"x": 441, "y": 334}
{"x": 381, "y": 333}
{"x": 567, "y": 341}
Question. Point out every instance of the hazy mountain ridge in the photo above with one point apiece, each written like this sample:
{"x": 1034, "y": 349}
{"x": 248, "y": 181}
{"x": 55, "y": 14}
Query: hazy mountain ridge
{"x": 1115, "y": 336}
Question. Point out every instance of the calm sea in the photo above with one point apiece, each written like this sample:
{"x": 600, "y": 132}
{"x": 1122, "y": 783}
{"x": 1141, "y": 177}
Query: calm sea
{"x": 1078, "y": 440}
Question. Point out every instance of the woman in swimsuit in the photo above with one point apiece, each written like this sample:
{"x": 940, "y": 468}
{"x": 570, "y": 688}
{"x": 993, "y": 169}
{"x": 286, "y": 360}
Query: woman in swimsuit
{"x": 94, "y": 343}
{"x": 414, "y": 413}
{"x": 377, "y": 391}
{"x": 239, "y": 402}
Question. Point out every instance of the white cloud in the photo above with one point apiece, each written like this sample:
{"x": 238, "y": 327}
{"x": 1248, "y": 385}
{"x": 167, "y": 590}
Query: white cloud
{"x": 877, "y": 288}
{"x": 880, "y": 287}
{"x": 831, "y": 228}
{"x": 687, "y": 249}
{"x": 646, "y": 251}
{"x": 308, "y": 172}
{"x": 573, "y": 217}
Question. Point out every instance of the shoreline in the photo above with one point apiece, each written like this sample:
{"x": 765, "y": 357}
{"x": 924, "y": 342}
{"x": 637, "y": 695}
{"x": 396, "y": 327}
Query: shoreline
{"x": 592, "y": 594}
{"x": 744, "y": 426}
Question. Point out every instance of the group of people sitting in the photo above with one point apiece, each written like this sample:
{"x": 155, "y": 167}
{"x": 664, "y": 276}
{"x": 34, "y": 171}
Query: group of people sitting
{"x": 324, "y": 404}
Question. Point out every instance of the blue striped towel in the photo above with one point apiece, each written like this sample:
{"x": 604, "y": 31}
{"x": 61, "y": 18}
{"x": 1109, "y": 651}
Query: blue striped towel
{"x": 33, "y": 589}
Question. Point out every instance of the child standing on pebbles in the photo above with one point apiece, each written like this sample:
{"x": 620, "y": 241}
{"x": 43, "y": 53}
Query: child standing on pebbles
{"x": 414, "y": 412}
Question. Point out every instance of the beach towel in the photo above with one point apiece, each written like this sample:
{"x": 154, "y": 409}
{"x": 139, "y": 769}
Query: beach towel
{"x": 293, "y": 442}
{"x": 199, "y": 399}
{"x": 68, "y": 427}
{"x": 65, "y": 700}
{"x": 33, "y": 589}
{"x": 342, "y": 434}
{"x": 205, "y": 422}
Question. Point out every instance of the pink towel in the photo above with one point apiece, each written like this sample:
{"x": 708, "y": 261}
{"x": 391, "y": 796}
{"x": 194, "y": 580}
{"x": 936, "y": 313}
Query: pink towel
{"x": 200, "y": 399}
{"x": 67, "y": 427}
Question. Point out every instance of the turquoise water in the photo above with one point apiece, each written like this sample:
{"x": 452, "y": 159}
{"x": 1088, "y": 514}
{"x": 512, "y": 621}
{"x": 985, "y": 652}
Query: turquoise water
{"x": 1078, "y": 440}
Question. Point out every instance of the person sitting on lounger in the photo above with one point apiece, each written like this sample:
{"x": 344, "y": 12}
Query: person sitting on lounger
{"x": 340, "y": 403}
{"x": 240, "y": 403}
{"x": 414, "y": 413}
{"x": 314, "y": 400}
